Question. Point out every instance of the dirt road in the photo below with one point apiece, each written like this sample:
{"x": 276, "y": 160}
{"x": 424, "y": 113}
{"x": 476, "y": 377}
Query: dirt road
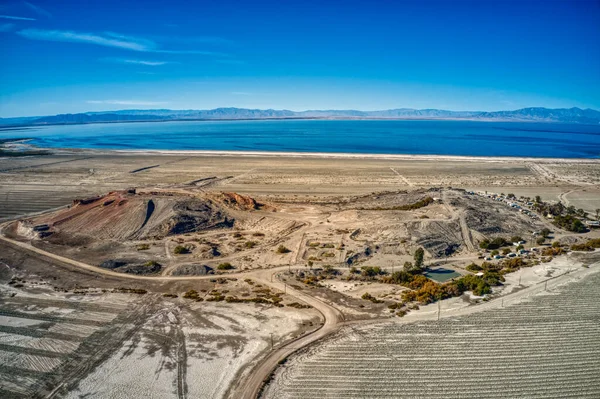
{"x": 250, "y": 387}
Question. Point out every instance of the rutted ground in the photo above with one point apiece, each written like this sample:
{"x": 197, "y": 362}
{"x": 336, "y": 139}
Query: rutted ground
{"x": 547, "y": 346}
{"x": 70, "y": 345}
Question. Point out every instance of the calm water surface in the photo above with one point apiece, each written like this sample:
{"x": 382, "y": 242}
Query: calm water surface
{"x": 374, "y": 137}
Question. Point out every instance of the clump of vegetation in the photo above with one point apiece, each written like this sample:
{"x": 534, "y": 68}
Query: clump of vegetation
{"x": 314, "y": 244}
{"x": 152, "y": 263}
{"x": 258, "y": 234}
{"x": 368, "y": 297}
{"x": 496, "y": 243}
{"x": 250, "y": 244}
{"x": 570, "y": 223}
{"x": 282, "y": 250}
{"x": 553, "y": 251}
{"x": 192, "y": 294}
{"x": 143, "y": 247}
{"x": 540, "y": 240}
{"x": 372, "y": 271}
{"x": 180, "y": 250}
{"x": 225, "y": 266}
{"x": 138, "y": 291}
{"x": 170, "y": 295}
{"x": 474, "y": 268}
{"x": 328, "y": 255}
{"x": 328, "y": 245}
{"x": 298, "y": 305}
{"x": 590, "y": 245}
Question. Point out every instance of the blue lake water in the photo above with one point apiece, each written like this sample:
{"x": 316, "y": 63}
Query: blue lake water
{"x": 336, "y": 136}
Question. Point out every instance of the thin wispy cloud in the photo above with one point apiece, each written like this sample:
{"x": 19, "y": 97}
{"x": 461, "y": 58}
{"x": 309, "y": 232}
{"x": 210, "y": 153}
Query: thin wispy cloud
{"x": 6, "y": 27}
{"x": 108, "y": 39}
{"x": 17, "y": 18}
{"x": 37, "y": 9}
{"x": 137, "y": 61}
{"x": 127, "y": 102}
{"x": 91, "y": 38}
{"x": 241, "y": 93}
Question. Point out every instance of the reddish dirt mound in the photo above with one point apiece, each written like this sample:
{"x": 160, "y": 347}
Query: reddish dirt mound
{"x": 241, "y": 202}
{"x": 128, "y": 216}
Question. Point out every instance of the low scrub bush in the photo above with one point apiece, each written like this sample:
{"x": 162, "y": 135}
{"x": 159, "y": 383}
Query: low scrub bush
{"x": 368, "y": 297}
{"x": 590, "y": 245}
{"x": 180, "y": 250}
{"x": 282, "y": 250}
{"x": 225, "y": 266}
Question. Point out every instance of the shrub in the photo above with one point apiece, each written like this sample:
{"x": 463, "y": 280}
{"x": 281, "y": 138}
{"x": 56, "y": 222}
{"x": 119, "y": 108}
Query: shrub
{"x": 545, "y": 232}
{"x": 371, "y": 271}
{"x": 516, "y": 238}
{"x": 250, "y": 244}
{"x": 401, "y": 277}
{"x": 540, "y": 240}
{"x": 143, "y": 247}
{"x": 369, "y": 297}
{"x": 192, "y": 294}
{"x": 282, "y": 250}
{"x": 180, "y": 249}
{"x": 151, "y": 263}
{"x": 474, "y": 267}
{"x": 225, "y": 266}
{"x": 590, "y": 245}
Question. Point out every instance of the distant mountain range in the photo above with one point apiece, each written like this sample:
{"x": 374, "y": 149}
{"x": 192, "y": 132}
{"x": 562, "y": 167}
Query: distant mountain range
{"x": 561, "y": 115}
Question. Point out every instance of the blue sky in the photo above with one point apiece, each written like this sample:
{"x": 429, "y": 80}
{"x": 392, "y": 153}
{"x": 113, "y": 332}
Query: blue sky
{"x": 76, "y": 56}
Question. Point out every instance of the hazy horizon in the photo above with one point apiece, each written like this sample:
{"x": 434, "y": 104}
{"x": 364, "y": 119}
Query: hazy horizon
{"x": 122, "y": 110}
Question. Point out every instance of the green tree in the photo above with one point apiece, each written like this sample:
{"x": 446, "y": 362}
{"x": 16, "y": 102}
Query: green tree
{"x": 545, "y": 232}
{"x": 419, "y": 255}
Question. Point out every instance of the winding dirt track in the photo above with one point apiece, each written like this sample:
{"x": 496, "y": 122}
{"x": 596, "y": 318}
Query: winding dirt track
{"x": 250, "y": 387}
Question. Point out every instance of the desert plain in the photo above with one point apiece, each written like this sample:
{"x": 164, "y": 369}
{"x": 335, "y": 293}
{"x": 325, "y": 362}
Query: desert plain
{"x": 126, "y": 274}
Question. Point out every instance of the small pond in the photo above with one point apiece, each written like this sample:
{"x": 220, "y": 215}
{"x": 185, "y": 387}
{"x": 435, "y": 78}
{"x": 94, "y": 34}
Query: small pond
{"x": 441, "y": 275}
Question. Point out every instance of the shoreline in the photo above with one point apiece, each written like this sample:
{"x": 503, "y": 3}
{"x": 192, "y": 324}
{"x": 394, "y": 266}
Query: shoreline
{"x": 315, "y": 155}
